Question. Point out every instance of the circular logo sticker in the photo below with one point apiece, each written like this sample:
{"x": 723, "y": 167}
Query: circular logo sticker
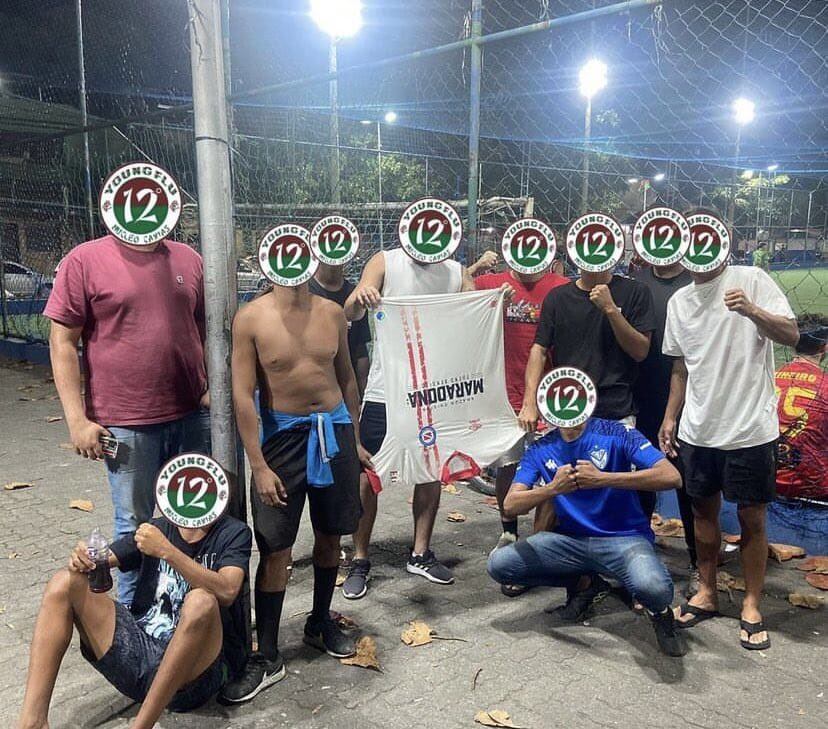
{"x": 566, "y": 397}
{"x": 529, "y": 246}
{"x": 595, "y": 242}
{"x": 427, "y": 436}
{"x": 709, "y": 243}
{"x": 140, "y": 203}
{"x": 430, "y": 230}
{"x": 661, "y": 236}
{"x": 192, "y": 490}
{"x": 285, "y": 255}
{"x": 334, "y": 240}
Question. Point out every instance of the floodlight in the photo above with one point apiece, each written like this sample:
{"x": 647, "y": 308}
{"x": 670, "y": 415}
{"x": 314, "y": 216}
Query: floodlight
{"x": 773, "y": 167}
{"x": 658, "y": 177}
{"x": 390, "y": 117}
{"x": 592, "y": 77}
{"x": 744, "y": 111}
{"x": 632, "y": 180}
{"x": 747, "y": 175}
{"x": 337, "y": 18}
{"x": 366, "y": 122}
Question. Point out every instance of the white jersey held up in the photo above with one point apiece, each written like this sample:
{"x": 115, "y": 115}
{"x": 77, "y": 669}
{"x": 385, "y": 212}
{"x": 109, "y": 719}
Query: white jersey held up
{"x": 730, "y": 401}
{"x": 406, "y": 277}
{"x": 446, "y": 405}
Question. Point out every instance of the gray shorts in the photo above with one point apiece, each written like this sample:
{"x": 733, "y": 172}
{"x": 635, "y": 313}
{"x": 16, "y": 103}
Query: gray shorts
{"x": 132, "y": 661}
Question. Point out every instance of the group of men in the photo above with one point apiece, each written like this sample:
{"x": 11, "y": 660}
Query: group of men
{"x": 686, "y": 357}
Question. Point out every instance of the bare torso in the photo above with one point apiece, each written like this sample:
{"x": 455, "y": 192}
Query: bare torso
{"x": 296, "y": 340}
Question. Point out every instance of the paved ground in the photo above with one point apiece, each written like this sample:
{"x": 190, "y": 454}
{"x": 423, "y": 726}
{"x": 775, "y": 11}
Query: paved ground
{"x": 545, "y": 673}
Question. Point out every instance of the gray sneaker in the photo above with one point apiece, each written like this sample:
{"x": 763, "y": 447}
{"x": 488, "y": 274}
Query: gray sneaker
{"x": 356, "y": 583}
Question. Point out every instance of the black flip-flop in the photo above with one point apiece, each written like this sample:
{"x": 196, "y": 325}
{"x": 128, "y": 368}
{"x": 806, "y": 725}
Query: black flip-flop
{"x": 699, "y": 615}
{"x": 752, "y": 629}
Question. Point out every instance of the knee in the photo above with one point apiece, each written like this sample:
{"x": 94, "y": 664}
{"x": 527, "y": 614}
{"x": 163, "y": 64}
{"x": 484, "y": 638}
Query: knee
{"x": 326, "y": 550}
{"x": 199, "y": 607}
{"x": 655, "y": 590}
{"x": 752, "y": 518}
{"x": 499, "y": 565}
{"x": 63, "y": 583}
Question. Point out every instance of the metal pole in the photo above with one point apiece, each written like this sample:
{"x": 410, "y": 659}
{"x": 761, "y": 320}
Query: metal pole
{"x": 585, "y": 170}
{"x": 771, "y": 240}
{"x": 790, "y": 218}
{"x": 334, "y": 95}
{"x": 379, "y": 184}
{"x": 758, "y": 204}
{"x": 426, "y": 176}
{"x": 475, "y": 73}
{"x": 215, "y": 214}
{"x": 731, "y": 208}
{"x": 808, "y": 219}
{"x": 87, "y": 163}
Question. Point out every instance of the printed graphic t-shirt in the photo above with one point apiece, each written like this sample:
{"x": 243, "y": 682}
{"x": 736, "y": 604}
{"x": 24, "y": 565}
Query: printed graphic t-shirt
{"x": 730, "y": 401}
{"x": 142, "y": 319}
{"x": 803, "y": 430}
{"x": 581, "y": 336}
{"x": 606, "y": 512}
{"x": 520, "y": 323}
{"x": 359, "y": 332}
{"x": 161, "y": 590}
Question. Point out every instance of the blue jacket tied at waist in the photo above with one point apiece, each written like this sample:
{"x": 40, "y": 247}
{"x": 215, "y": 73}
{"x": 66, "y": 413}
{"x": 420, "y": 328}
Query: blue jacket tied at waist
{"x": 322, "y": 445}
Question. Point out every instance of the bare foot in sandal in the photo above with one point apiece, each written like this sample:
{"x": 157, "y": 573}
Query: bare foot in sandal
{"x": 752, "y": 633}
{"x": 697, "y": 609}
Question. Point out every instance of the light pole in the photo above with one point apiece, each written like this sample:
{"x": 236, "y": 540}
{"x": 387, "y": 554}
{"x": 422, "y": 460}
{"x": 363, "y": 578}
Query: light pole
{"x": 338, "y": 19}
{"x": 592, "y": 78}
{"x": 390, "y": 117}
{"x": 771, "y": 183}
{"x": 744, "y": 112}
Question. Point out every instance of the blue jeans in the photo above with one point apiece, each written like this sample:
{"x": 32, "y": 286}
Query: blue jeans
{"x": 142, "y": 451}
{"x": 557, "y": 560}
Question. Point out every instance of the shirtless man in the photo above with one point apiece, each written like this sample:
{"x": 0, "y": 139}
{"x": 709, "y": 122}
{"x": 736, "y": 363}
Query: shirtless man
{"x": 294, "y": 347}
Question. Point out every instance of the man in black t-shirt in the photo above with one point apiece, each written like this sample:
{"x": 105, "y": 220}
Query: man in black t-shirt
{"x": 652, "y": 389}
{"x": 329, "y": 282}
{"x": 602, "y": 324}
{"x": 180, "y": 640}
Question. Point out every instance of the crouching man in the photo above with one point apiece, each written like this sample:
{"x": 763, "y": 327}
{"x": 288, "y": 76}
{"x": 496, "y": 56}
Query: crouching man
{"x": 584, "y": 474}
{"x": 178, "y": 643}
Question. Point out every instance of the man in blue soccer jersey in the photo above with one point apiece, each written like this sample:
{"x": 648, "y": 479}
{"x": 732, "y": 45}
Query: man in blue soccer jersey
{"x": 585, "y": 474}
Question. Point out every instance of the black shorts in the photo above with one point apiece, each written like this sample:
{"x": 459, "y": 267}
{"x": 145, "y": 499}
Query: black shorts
{"x": 372, "y": 426}
{"x": 334, "y": 509}
{"x": 132, "y": 661}
{"x": 743, "y": 475}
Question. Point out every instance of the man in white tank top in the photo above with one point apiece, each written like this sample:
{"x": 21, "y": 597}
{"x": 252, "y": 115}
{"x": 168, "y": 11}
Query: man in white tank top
{"x": 395, "y": 273}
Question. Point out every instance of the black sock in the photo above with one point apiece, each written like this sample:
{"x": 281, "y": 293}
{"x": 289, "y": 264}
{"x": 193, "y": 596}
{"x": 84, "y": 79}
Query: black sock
{"x": 510, "y": 526}
{"x": 324, "y": 581}
{"x": 268, "y": 617}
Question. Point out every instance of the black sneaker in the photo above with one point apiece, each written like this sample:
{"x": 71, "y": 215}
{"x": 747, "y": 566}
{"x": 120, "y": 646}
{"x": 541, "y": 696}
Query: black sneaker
{"x": 326, "y": 635}
{"x": 579, "y": 605}
{"x": 426, "y": 565}
{"x": 356, "y": 583}
{"x": 258, "y": 674}
{"x": 668, "y": 635}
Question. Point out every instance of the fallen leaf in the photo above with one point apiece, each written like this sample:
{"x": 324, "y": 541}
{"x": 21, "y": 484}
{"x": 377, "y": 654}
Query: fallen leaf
{"x": 455, "y": 516}
{"x": 81, "y": 505}
{"x": 14, "y": 485}
{"x": 417, "y": 633}
{"x": 496, "y": 717}
{"x": 14, "y": 555}
{"x": 67, "y": 446}
{"x": 817, "y": 580}
{"x": 476, "y": 676}
{"x": 340, "y": 579}
{"x": 669, "y": 528}
{"x": 450, "y": 488}
{"x": 812, "y": 602}
{"x": 54, "y": 419}
{"x": 725, "y": 582}
{"x": 343, "y": 621}
{"x": 656, "y": 520}
{"x": 732, "y": 538}
{"x": 366, "y": 654}
{"x": 784, "y": 552}
{"x": 813, "y": 564}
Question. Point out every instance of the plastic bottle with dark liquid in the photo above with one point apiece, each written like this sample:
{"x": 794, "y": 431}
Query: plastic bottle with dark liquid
{"x": 100, "y": 578}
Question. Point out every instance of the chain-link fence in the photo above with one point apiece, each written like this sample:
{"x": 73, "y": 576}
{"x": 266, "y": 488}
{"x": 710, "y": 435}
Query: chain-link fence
{"x": 407, "y": 92}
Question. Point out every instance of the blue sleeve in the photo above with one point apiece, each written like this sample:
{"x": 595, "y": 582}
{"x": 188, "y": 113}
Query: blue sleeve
{"x": 528, "y": 472}
{"x": 639, "y": 451}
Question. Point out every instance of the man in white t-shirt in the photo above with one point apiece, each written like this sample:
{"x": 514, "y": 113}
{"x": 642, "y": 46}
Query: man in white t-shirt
{"x": 395, "y": 273}
{"x": 721, "y": 330}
